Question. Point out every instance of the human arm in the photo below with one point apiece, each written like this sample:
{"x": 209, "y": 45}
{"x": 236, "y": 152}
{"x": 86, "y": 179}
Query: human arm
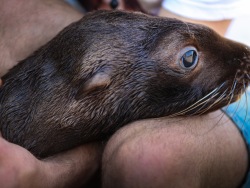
{"x": 19, "y": 168}
{"x": 201, "y": 151}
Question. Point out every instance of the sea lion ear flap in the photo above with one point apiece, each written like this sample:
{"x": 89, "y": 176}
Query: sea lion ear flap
{"x": 97, "y": 82}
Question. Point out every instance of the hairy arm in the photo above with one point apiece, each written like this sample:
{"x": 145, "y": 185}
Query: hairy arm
{"x": 19, "y": 168}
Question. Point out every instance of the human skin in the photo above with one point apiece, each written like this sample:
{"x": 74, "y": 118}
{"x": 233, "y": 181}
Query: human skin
{"x": 144, "y": 154}
{"x": 19, "y": 168}
{"x": 198, "y": 152}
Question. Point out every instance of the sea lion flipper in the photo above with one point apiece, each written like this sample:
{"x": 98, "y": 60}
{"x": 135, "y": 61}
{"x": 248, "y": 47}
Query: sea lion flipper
{"x": 97, "y": 82}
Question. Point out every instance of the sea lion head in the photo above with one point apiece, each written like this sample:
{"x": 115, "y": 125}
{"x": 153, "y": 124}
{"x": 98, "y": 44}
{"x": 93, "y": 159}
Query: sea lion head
{"x": 114, "y": 67}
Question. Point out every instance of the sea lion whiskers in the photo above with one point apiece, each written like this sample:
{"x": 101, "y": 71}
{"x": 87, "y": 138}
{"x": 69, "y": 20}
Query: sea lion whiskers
{"x": 247, "y": 75}
{"x": 246, "y": 103}
{"x": 237, "y": 107}
{"x": 221, "y": 98}
{"x": 243, "y": 91}
{"x": 191, "y": 107}
{"x": 218, "y": 100}
{"x": 232, "y": 90}
{"x": 200, "y": 102}
{"x": 231, "y": 94}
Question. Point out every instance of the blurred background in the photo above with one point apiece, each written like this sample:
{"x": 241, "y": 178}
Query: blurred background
{"x": 239, "y": 28}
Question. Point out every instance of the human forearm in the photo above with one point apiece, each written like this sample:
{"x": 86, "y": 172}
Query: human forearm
{"x": 72, "y": 168}
{"x": 19, "y": 168}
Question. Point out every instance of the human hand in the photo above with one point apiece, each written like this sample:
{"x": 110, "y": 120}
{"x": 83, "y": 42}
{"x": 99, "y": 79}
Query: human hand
{"x": 19, "y": 168}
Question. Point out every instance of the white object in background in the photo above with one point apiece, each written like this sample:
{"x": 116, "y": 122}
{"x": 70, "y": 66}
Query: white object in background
{"x": 211, "y": 10}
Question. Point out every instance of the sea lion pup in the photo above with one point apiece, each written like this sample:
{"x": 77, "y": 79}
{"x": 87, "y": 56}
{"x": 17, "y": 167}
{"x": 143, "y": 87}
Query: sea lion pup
{"x": 111, "y": 68}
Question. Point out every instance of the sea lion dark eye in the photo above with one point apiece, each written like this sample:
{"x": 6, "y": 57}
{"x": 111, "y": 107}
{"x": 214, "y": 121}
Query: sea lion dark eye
{"x": 189, "y": 59}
